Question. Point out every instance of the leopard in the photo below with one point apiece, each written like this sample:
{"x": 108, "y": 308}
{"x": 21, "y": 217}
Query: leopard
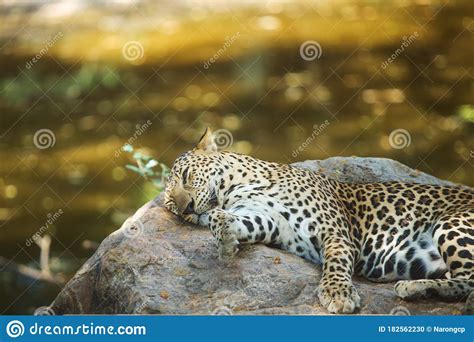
{"x": 419, "y": 236}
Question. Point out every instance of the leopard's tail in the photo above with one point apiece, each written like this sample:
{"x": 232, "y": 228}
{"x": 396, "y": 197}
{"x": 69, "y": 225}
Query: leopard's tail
{"x": 451, "y": 289}
{"x": 469, "y": 308}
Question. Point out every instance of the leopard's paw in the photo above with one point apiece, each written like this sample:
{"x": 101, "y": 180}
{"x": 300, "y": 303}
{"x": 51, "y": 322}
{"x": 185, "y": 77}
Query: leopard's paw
{"x": 410, "y": 289}
{"x": 340, "y": 298}
{"x": 228, "y": 250}
{"x": 228, "y": 246}
{"x": 401, "y": 288}
{"x": 191, "y": 218}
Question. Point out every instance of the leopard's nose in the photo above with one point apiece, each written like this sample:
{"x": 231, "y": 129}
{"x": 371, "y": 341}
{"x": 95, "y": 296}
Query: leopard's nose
{"x": 189, "y": 208}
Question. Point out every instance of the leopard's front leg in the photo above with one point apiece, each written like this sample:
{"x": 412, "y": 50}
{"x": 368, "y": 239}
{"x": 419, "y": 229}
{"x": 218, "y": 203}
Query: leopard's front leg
{"x": 336, "y": 291}
{"x": 221, "y": 224}
{"x": 247, "y": 222}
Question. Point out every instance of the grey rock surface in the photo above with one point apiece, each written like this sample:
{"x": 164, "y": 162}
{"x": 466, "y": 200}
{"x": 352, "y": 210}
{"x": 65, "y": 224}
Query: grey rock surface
{"x": 158, "y": 264}
{"x": 367, "y": 170}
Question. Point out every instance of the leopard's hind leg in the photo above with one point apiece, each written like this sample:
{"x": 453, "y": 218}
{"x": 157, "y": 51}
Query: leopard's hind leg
{"x": 454, "y": 236}
{"x": 469, "y": 308}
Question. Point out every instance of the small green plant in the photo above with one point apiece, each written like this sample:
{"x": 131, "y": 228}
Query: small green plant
{"x": 466, "y": 112}
{"x": 147, "y": 167}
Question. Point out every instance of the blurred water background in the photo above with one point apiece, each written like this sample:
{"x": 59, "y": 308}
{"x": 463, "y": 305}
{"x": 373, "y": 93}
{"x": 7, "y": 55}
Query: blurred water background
{"x": 99, "y": 73}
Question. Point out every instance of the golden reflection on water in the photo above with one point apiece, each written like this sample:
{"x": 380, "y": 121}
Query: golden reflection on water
{"x": 259, "y": 88}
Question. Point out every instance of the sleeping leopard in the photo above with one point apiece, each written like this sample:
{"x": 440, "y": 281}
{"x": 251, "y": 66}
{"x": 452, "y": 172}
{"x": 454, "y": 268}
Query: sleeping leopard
{"x": 419, "y": 235}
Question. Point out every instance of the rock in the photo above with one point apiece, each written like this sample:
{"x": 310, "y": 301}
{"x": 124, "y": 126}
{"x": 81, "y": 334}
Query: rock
{"x": 158, "y": 264}
{"x": 366, "y": 170}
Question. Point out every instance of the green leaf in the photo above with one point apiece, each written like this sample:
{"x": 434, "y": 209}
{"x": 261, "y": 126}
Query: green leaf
{"x": 466, "y": 112}
{"x": 134, "y": 169}
{"x": 145, "y": 168}
{"x": 127, "y": 148}
{"x": 149, "y": 172}
{"x": 151, "y": 163}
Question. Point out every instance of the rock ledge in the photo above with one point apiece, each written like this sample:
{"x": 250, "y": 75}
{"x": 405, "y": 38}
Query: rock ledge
{"x": 158, "y": 264}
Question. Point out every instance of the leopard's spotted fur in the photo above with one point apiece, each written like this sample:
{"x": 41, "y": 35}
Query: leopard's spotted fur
{"x": 420, "y": 234}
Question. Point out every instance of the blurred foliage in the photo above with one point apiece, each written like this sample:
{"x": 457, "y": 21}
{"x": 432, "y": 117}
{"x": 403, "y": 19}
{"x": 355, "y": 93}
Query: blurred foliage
{"x": 260, "y": 89}
{"x": 146, "y": 167}
{"x": 466, "y": 112}
{"x": 75, "y": 84}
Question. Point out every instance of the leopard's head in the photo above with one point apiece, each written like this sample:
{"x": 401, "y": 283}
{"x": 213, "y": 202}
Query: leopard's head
{"x": 190, "y": 186}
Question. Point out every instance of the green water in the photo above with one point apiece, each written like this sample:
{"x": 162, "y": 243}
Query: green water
{"x": 259, "y": 89}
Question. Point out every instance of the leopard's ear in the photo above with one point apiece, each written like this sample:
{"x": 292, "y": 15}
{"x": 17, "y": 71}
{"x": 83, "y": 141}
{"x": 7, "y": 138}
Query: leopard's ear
{"x": 207, "y": 143}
